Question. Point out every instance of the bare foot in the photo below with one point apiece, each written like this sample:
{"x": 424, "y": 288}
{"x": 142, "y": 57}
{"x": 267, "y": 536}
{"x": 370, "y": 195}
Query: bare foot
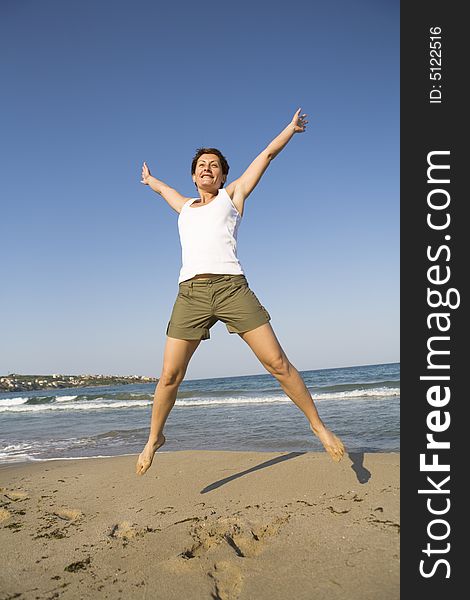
{"x": 333, "y": 445}
{"x": 146, "y": 456}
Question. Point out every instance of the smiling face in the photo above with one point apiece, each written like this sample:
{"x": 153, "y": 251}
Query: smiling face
{"x": 208, "y": 172}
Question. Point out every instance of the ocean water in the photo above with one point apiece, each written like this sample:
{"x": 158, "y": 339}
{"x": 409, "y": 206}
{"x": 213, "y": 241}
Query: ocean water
{"x": 360, "y": 404}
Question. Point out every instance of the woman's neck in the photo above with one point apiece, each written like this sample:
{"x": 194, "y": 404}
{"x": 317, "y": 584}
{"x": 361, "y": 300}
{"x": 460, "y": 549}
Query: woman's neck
{"x": 207, "y": 196}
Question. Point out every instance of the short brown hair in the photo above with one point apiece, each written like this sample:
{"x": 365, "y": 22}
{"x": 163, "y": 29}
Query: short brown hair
{"x": 201, "y": 151}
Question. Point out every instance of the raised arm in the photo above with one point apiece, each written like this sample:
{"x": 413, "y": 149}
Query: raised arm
{"x": 242, "y": 187}
{"x": 174, "y": 198}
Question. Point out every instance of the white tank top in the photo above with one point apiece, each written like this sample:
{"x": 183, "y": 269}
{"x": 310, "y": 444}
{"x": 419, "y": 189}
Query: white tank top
{"x": 208, "y": 236}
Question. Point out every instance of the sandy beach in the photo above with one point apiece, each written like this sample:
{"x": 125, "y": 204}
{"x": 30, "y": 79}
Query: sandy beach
{"x": 202, "y": 525}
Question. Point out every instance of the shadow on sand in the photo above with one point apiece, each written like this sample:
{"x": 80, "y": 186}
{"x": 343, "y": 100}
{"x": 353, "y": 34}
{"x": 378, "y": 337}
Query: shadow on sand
{"x": 263, "y": 465}
{"x": 357, "y": 459}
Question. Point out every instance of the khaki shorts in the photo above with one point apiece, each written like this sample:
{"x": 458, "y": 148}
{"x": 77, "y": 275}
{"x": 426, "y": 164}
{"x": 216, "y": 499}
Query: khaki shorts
{"x": 202, "y": 302}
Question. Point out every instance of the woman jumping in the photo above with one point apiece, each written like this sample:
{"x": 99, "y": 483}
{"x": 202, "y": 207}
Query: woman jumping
{"x": 213, "y": 287}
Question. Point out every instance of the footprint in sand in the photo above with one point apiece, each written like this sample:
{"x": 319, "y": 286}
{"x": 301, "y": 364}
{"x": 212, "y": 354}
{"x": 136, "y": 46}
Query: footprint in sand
{"x": 57, "y": 523}
{"x": 126, "y": 530}
{"x": 10, "y": 496}
{"x": 16, "y": 496}
{"x": 68, "y": 514}
{"x": 245, "y": 538}
{"x": 227, "y": 580}
{"x": 4, "y": 514}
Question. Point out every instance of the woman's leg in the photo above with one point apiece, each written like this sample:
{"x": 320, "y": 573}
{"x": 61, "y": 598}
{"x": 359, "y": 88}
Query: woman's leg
{"x": 265, "y": 345}
{"x": 176, "y": 358}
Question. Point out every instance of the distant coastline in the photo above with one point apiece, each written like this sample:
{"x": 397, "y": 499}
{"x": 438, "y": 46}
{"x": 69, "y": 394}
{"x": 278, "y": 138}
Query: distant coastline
{"x": 20, "y": 383}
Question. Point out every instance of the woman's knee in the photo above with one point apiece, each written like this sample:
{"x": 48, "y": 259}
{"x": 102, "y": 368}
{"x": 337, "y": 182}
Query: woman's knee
{"x": 278, "y": 365}
{"x": 171, "y": 377}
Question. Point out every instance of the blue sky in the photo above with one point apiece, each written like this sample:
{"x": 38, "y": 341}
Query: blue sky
{"x": 90, "y": 257}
